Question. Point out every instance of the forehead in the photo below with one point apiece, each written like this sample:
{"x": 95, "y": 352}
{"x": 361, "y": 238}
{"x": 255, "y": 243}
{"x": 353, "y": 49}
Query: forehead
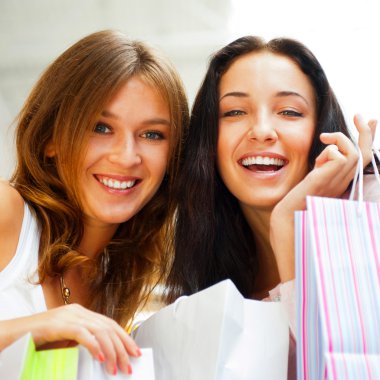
{"x": 265, "y": 71}
{"x": 141, "y": 92}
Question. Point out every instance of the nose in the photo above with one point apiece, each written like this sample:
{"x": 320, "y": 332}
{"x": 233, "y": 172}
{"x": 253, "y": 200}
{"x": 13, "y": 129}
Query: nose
{"x": 126, "y": 152}
{"x": 262, "y": 130}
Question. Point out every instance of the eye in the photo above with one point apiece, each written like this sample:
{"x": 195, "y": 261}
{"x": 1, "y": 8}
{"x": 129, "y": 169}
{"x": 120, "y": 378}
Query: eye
{"x": 153, "y": 135}
{"x": 233, "y": 113}
{"x": 102, "y": 128}
{"x": 291, "y": 113}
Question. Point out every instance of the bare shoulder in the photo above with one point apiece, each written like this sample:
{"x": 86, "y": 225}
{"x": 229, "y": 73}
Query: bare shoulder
{"x": 11, "y": 201}
{"x": 11, "y": 216}
{"x": 371, "y": 188}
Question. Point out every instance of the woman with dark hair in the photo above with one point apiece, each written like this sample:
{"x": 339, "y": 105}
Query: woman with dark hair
{"x": 85, "y": 218}
{"x": 265, "y": 131}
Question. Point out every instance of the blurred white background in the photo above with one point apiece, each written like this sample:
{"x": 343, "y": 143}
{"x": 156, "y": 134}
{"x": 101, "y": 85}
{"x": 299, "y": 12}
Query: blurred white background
{"x": 344, "y": 35}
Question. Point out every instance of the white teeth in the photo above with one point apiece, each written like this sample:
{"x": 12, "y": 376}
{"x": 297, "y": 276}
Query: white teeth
{"x": 118, "y": 185}
{"x": 259, "y": 160}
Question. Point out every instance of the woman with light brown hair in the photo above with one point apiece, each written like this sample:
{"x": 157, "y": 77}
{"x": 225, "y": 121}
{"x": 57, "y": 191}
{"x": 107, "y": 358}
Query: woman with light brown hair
{"x": 84, "y": 219}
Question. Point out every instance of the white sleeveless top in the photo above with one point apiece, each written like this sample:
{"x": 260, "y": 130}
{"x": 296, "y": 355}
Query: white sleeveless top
{"x": 18, "y": 295}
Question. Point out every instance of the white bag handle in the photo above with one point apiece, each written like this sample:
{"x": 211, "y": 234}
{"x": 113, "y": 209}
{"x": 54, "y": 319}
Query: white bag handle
{"x": 375, "y": 152}
{"x": 358, "y": 178}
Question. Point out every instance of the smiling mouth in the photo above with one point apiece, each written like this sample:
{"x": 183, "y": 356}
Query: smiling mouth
{"x": 263, "y": 164}
{"x": 116, "y": 184}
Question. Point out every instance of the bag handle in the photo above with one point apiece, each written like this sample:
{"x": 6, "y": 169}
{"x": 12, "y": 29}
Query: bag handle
{"x": 375, "y": 152}
{"x": 358, "y": 178}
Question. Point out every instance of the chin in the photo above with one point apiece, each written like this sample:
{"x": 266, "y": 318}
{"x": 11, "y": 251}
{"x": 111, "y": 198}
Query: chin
{"x": 260, "y": 203}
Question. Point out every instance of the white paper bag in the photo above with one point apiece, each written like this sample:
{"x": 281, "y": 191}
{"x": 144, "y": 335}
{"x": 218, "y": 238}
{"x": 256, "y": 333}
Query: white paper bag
{"x": 142, "y": 367}
{"x": 217, "y": 334}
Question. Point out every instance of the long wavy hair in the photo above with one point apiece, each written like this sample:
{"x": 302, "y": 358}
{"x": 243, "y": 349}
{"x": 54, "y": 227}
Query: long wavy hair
{"x": 63, "y": 108}
{"x": 212, "y": 238}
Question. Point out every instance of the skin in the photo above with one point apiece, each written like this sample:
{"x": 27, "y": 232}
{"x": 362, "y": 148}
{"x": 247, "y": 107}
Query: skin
{"x": 273, "y": 115}
{"x": 129, "y": 144}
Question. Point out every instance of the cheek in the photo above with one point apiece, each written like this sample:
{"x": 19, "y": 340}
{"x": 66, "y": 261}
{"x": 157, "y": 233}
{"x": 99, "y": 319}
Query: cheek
{"x": 226, "y": 144}
{"x": 222, "y": 150}
{"x": 157, "y": 161}
{"x": 300, "y": 141}
{"x": 306, "y": 141}
{"x": 300, "y": 148}
{"x": 93, "y": 151}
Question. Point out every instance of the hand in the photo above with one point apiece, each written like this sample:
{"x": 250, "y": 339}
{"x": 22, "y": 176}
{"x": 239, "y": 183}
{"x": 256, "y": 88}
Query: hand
{"x": 333, "y": 171}
{"x": 103, "y": 337}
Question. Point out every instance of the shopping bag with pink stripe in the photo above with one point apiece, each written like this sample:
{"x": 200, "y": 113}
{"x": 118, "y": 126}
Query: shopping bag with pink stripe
{"x": 338, "y": 289}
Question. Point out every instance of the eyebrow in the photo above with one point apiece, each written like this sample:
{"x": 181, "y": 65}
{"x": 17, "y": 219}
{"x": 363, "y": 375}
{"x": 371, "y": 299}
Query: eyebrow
{"x": 280, "y": 94}
{"x": 237, "y": 94}
{"x": 152, "y": 121}
{"x": 291, "y": 93}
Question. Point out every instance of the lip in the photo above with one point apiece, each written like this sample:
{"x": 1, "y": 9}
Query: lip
{"x": 264, "y": 154}
{"x": 263, "y": 174}
{"x": 124, "y": 180}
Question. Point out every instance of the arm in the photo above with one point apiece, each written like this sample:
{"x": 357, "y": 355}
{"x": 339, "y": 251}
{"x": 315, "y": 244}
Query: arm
{"x": 103, "y": 337}
{"x": 286, "y": 293}
{"x": 11, "y": 215}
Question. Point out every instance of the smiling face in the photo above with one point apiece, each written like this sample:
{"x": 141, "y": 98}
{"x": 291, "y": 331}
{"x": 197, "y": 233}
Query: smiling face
{"x": 126, "y": 156}
{"x": 267, "y": 116}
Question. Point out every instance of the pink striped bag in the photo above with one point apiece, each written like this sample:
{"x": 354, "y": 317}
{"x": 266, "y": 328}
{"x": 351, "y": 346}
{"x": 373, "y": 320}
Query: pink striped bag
{"x": 338, "y": 289}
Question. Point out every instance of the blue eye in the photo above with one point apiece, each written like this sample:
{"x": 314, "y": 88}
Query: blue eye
{"x": 153, "y": 135}
{"x": 291, "y": 113}
{"x": 102, "y": 128}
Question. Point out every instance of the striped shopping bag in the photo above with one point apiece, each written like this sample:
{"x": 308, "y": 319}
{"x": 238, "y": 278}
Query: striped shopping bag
{"x": 338, "y": 289}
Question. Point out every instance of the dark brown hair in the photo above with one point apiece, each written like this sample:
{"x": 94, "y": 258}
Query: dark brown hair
{"x": 212, "y": 239}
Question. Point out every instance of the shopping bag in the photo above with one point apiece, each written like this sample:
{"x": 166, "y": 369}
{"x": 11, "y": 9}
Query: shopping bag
{"x": 217, "y": 334}
{"x": 21, "y": 361}
{"x": 338, "y": 289}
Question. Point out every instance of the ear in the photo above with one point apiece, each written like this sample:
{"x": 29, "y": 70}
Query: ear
{"x": 50, "y": 150}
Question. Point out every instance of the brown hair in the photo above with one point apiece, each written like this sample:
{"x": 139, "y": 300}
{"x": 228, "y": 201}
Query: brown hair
{"x": 63, "y": 108}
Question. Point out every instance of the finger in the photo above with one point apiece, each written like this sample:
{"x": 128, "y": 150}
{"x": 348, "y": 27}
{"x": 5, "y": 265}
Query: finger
{"x": 366, "y": 136}
{"x": 119, "y": 339}
{"x": 373, "y": 124}
{"x": 130, "y": 345}
{"x": 83, "y": 336}
{"x": 115, "y": 343}
{"x": 106, "y": 342}
{"x": 103, "y": 334}
{"x": 331, "y": 152}
{"x": 122, "y": 357}
{"x": 344, "y": 144}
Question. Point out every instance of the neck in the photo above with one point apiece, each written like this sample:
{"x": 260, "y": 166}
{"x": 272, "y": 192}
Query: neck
{"x": 95, "y": 239}
{"x": 268, "y": 276}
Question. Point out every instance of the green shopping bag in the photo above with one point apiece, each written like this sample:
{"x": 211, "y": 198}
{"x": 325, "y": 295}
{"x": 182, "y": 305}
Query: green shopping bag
{"x": 57, "y": 364}
{"x": 21, "y": 361}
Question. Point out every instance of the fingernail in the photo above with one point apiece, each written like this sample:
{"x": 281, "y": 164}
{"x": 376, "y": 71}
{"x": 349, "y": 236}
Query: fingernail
{"x": 129, "y": 369}
{"x": 115, "y": 370}
{"x": 101, "y": 358}
{"x": 138, "y": 351}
